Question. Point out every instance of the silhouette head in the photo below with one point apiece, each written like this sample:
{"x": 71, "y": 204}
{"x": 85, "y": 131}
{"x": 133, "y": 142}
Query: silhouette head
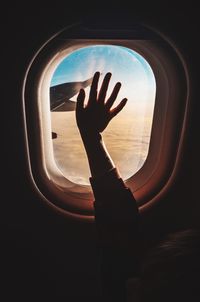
{"x": 171, "y": 271}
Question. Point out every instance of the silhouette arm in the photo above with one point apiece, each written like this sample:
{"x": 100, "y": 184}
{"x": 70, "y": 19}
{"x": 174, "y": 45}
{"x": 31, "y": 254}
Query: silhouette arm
{"x": 116, "y": 213}
{"x": 93, "y": 118}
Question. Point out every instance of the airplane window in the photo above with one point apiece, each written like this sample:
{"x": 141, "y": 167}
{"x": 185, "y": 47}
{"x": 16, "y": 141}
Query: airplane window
{"x": 128, "y": 135}
{"x": 145, "y": 140}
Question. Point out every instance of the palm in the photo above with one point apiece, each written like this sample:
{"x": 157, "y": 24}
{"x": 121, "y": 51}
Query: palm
{"x": 96, "y": 115}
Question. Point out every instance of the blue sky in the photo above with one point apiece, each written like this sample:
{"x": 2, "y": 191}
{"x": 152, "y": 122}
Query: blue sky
{"x": 126, "y": 66}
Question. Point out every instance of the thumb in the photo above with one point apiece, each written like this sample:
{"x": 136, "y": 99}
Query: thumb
{"x": 80, "y": 100}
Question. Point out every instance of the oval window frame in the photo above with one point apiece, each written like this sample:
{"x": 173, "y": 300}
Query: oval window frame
{"x": 169, "y": 122}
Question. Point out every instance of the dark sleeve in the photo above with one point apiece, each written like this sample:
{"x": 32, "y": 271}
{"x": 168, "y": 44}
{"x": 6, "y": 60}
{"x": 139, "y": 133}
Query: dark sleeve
{"x": 117, "y": 224}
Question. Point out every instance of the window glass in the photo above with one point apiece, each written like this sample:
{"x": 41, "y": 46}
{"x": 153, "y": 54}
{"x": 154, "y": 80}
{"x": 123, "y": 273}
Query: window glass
{"x": 128, "y": 135}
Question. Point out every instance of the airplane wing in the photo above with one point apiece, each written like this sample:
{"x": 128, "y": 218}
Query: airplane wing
{"x": 60, "y": 95}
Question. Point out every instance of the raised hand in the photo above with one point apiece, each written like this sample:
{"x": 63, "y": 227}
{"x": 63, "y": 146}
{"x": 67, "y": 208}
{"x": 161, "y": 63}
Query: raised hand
{"x": 97, "y": 113}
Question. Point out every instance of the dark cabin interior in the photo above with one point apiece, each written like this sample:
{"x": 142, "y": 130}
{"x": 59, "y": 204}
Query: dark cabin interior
{"x": 44, "y": 256}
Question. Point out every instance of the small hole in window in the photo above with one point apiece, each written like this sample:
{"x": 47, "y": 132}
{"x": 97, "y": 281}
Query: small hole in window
{"x": 127, "y": 137}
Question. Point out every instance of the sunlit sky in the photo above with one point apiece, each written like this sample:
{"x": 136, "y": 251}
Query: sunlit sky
{"x": 126, "y": 66}
{"x": 127, "y": 136}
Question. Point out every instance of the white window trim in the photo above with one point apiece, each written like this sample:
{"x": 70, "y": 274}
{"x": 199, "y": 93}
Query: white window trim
{"x": 161, "y": 165}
